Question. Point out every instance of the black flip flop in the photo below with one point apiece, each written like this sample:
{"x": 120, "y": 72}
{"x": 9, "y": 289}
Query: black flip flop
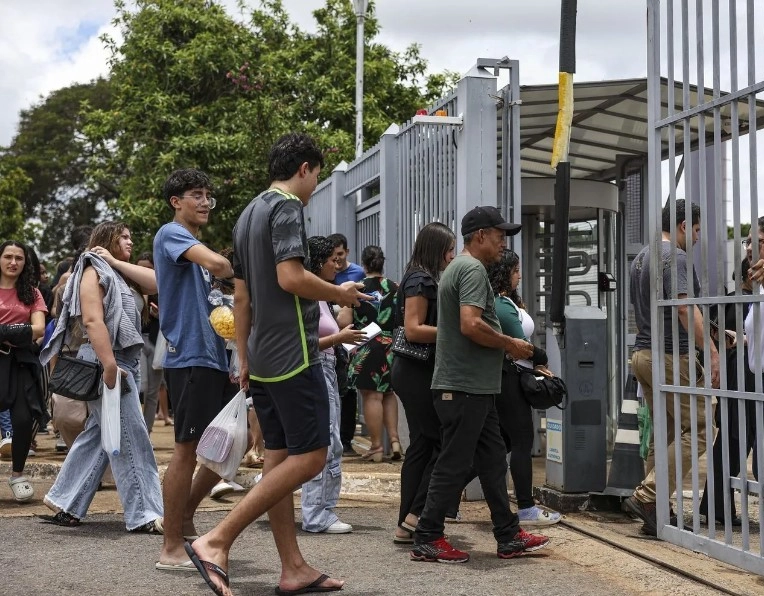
{"x": 62, "y": 519}
{"x": 310, "y": 588}
{"x": 203, "y": 567}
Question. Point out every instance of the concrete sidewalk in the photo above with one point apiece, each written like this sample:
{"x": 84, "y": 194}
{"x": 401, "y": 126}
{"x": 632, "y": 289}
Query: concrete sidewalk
{"x": 47, "y": 558}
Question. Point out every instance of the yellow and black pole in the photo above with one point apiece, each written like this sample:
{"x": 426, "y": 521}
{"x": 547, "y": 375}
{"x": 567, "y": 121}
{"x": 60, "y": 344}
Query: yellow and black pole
{"x": 561, "y": 164}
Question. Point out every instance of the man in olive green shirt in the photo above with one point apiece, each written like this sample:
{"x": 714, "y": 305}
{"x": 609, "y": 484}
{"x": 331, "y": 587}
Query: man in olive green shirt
{"x": 468, "y": 357}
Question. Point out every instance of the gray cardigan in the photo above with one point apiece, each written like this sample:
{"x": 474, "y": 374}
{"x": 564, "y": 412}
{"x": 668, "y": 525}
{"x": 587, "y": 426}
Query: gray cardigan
{"x": 120, "y": 314}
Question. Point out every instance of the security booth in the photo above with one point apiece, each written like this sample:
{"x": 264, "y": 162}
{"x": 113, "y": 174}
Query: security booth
{"x": 576, "y": 458}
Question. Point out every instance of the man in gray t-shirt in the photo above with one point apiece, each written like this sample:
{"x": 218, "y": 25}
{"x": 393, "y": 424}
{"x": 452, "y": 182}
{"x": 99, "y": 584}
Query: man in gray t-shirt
{"x": 276, "y": 320}
{"x": 468, "y": 358}
{"x": 642, "y": 502}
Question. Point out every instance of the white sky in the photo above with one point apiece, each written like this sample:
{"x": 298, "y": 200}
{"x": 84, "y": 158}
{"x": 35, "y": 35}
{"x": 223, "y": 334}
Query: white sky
{"x": 48, "y": 44}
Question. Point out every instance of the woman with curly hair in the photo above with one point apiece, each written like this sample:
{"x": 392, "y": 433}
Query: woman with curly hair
{"x": 22, "y": 321}
{"x": 320, "y": 495}
{"x": 105, "y": 296}
{"x": 515, "y": 414}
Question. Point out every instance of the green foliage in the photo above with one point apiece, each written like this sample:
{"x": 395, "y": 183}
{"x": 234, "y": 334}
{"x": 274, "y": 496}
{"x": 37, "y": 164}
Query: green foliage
{"x": 192, "y": 86}
{"x": 14, "y": 183}
{"x": 745, "y": 229}
{"x": 54, "y": 154}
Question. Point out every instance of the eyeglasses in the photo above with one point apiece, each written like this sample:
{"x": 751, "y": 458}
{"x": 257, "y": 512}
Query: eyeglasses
{"x": 198, "y": 197}
{"x": 747, "y": 243}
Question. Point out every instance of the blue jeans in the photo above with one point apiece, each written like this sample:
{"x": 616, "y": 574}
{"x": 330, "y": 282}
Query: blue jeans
{"x": 6, "y": 430}
{"x": 135, "y": 468}
{"x": 320, "y": 495}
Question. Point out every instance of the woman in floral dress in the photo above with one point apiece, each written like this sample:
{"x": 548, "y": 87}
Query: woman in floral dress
{"x": 370, "y": 364}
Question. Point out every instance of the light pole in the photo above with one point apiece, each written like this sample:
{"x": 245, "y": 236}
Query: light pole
{"x": 360, "y": 7}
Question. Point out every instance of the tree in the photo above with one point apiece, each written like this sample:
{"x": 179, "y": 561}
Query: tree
{"x": 13, "y": 184}
{"x": 192, "y": 87}
{"x": 53, "y": 154}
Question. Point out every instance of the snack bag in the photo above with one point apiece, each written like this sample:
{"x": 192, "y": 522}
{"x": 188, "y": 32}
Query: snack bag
{"x": 221, "y": 317}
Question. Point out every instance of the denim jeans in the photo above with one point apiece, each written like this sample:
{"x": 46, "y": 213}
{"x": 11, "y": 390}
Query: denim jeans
{"x": 320, "y": 495}
{"x": 6, "y": 430}
{"x": 151, "y": 380}
{"x": 135, "y": 468}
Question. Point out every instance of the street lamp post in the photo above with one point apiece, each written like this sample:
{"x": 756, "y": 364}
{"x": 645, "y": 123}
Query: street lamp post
{"x": 360, "y": 7}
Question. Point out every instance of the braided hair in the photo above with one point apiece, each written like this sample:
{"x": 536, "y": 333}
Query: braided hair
{"x": 321, "y": 249}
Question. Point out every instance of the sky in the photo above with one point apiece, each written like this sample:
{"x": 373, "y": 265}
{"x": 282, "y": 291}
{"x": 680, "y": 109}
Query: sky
{"x": 48, "y": 44}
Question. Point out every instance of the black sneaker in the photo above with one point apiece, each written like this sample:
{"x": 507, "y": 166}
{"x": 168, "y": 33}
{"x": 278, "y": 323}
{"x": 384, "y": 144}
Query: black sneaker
{"x": 645, "y": 512}
{"x": 62, "y": 518}
{"x": 149, "y": 528}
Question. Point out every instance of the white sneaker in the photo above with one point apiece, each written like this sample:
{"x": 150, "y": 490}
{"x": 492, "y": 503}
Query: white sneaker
{"x": 537, "y": 517}
{"x": 339, "y": 527}
{"x": 224, "y": 488}
{"x": 6, "y": 446}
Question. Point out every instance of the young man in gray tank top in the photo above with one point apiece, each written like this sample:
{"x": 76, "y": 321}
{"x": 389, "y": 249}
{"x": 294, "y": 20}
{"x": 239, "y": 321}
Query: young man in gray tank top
{"x": 276, "y": 313}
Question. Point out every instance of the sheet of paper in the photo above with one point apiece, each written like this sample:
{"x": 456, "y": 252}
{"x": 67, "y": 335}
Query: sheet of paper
{"x": 370, "y": 331}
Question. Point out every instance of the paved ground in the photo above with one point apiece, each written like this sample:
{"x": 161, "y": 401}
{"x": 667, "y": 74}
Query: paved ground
{"x": 101, "y": 558}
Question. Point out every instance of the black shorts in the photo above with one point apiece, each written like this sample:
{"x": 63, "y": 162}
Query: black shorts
{"x": 294, "y": 414}
{"x": 197, "y": 394}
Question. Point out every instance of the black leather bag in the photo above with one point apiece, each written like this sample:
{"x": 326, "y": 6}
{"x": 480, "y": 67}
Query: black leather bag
{"x": 403, "y": 347}
{"x": 76, "y": 378}
{"x": 541, "y": 392}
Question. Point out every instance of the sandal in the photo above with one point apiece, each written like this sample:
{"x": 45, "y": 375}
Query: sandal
{"x": 407, "y": 539}
{"x": 22, "y": 489}
{"x": 395, "y": 447}
{"x": 62, "y": 518}
{"x": 374, "y": 455}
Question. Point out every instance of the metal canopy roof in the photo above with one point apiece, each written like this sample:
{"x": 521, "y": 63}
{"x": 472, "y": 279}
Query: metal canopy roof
{"x": 610, "y": 118}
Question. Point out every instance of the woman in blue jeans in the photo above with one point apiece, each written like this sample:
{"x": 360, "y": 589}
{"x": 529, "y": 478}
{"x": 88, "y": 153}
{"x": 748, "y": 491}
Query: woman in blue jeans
{"x": 99, "y": 293}
{"x": 319, "y": 495}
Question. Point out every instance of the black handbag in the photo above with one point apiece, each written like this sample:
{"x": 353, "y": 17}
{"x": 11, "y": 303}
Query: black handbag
{"x": 403, "y": 347}
{"x": 76, "y": 378}
{"x": 540, "y": 391}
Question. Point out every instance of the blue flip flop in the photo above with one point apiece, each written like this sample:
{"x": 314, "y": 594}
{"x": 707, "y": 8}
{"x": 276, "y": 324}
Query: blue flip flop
{"x": 204, "y": 567}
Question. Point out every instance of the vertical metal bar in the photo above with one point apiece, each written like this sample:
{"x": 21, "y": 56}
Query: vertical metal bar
{"x": 656, "y": 282}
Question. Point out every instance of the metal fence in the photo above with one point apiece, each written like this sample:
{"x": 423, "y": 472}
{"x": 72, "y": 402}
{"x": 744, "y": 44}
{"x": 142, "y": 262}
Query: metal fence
{"x": 433, "y": 168}
{"x": 690, "y": 43}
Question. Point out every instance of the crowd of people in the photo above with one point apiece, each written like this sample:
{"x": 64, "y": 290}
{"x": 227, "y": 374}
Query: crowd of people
{"x": 299, "y": 304}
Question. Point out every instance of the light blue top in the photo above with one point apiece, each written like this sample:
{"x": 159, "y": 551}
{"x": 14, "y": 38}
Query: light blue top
{"x": 184, "y": 310}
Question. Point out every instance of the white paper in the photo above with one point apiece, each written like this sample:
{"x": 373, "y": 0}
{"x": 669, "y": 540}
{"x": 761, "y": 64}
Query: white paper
{"x": 370, "y": 331}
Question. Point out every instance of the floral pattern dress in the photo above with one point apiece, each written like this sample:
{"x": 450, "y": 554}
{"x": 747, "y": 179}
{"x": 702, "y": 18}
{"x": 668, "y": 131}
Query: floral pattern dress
{"x": 370, "y": 364}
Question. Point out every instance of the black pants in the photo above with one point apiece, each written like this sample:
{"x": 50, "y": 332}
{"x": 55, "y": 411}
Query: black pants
{"x": 470, "y": 436}
{"x": 348, "y": 414}
{"x": 516, "y": 422}
{"x": 731, "y": 435}
{"x": 411, "y": 381}
{"x": 22, "y": 420}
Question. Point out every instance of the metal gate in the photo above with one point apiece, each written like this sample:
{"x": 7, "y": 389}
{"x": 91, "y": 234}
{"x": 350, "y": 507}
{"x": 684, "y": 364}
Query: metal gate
{"x": 690, "y": 43}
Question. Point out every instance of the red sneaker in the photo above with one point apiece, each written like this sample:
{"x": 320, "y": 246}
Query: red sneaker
{"x": 439, "y": 551}
{"x": 523, "y": 542}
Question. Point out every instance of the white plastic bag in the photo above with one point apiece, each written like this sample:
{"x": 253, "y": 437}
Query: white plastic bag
{"x": 224, "y": 442}
{"x": 110, "y": 428}
{"x": 160, "y": 349}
